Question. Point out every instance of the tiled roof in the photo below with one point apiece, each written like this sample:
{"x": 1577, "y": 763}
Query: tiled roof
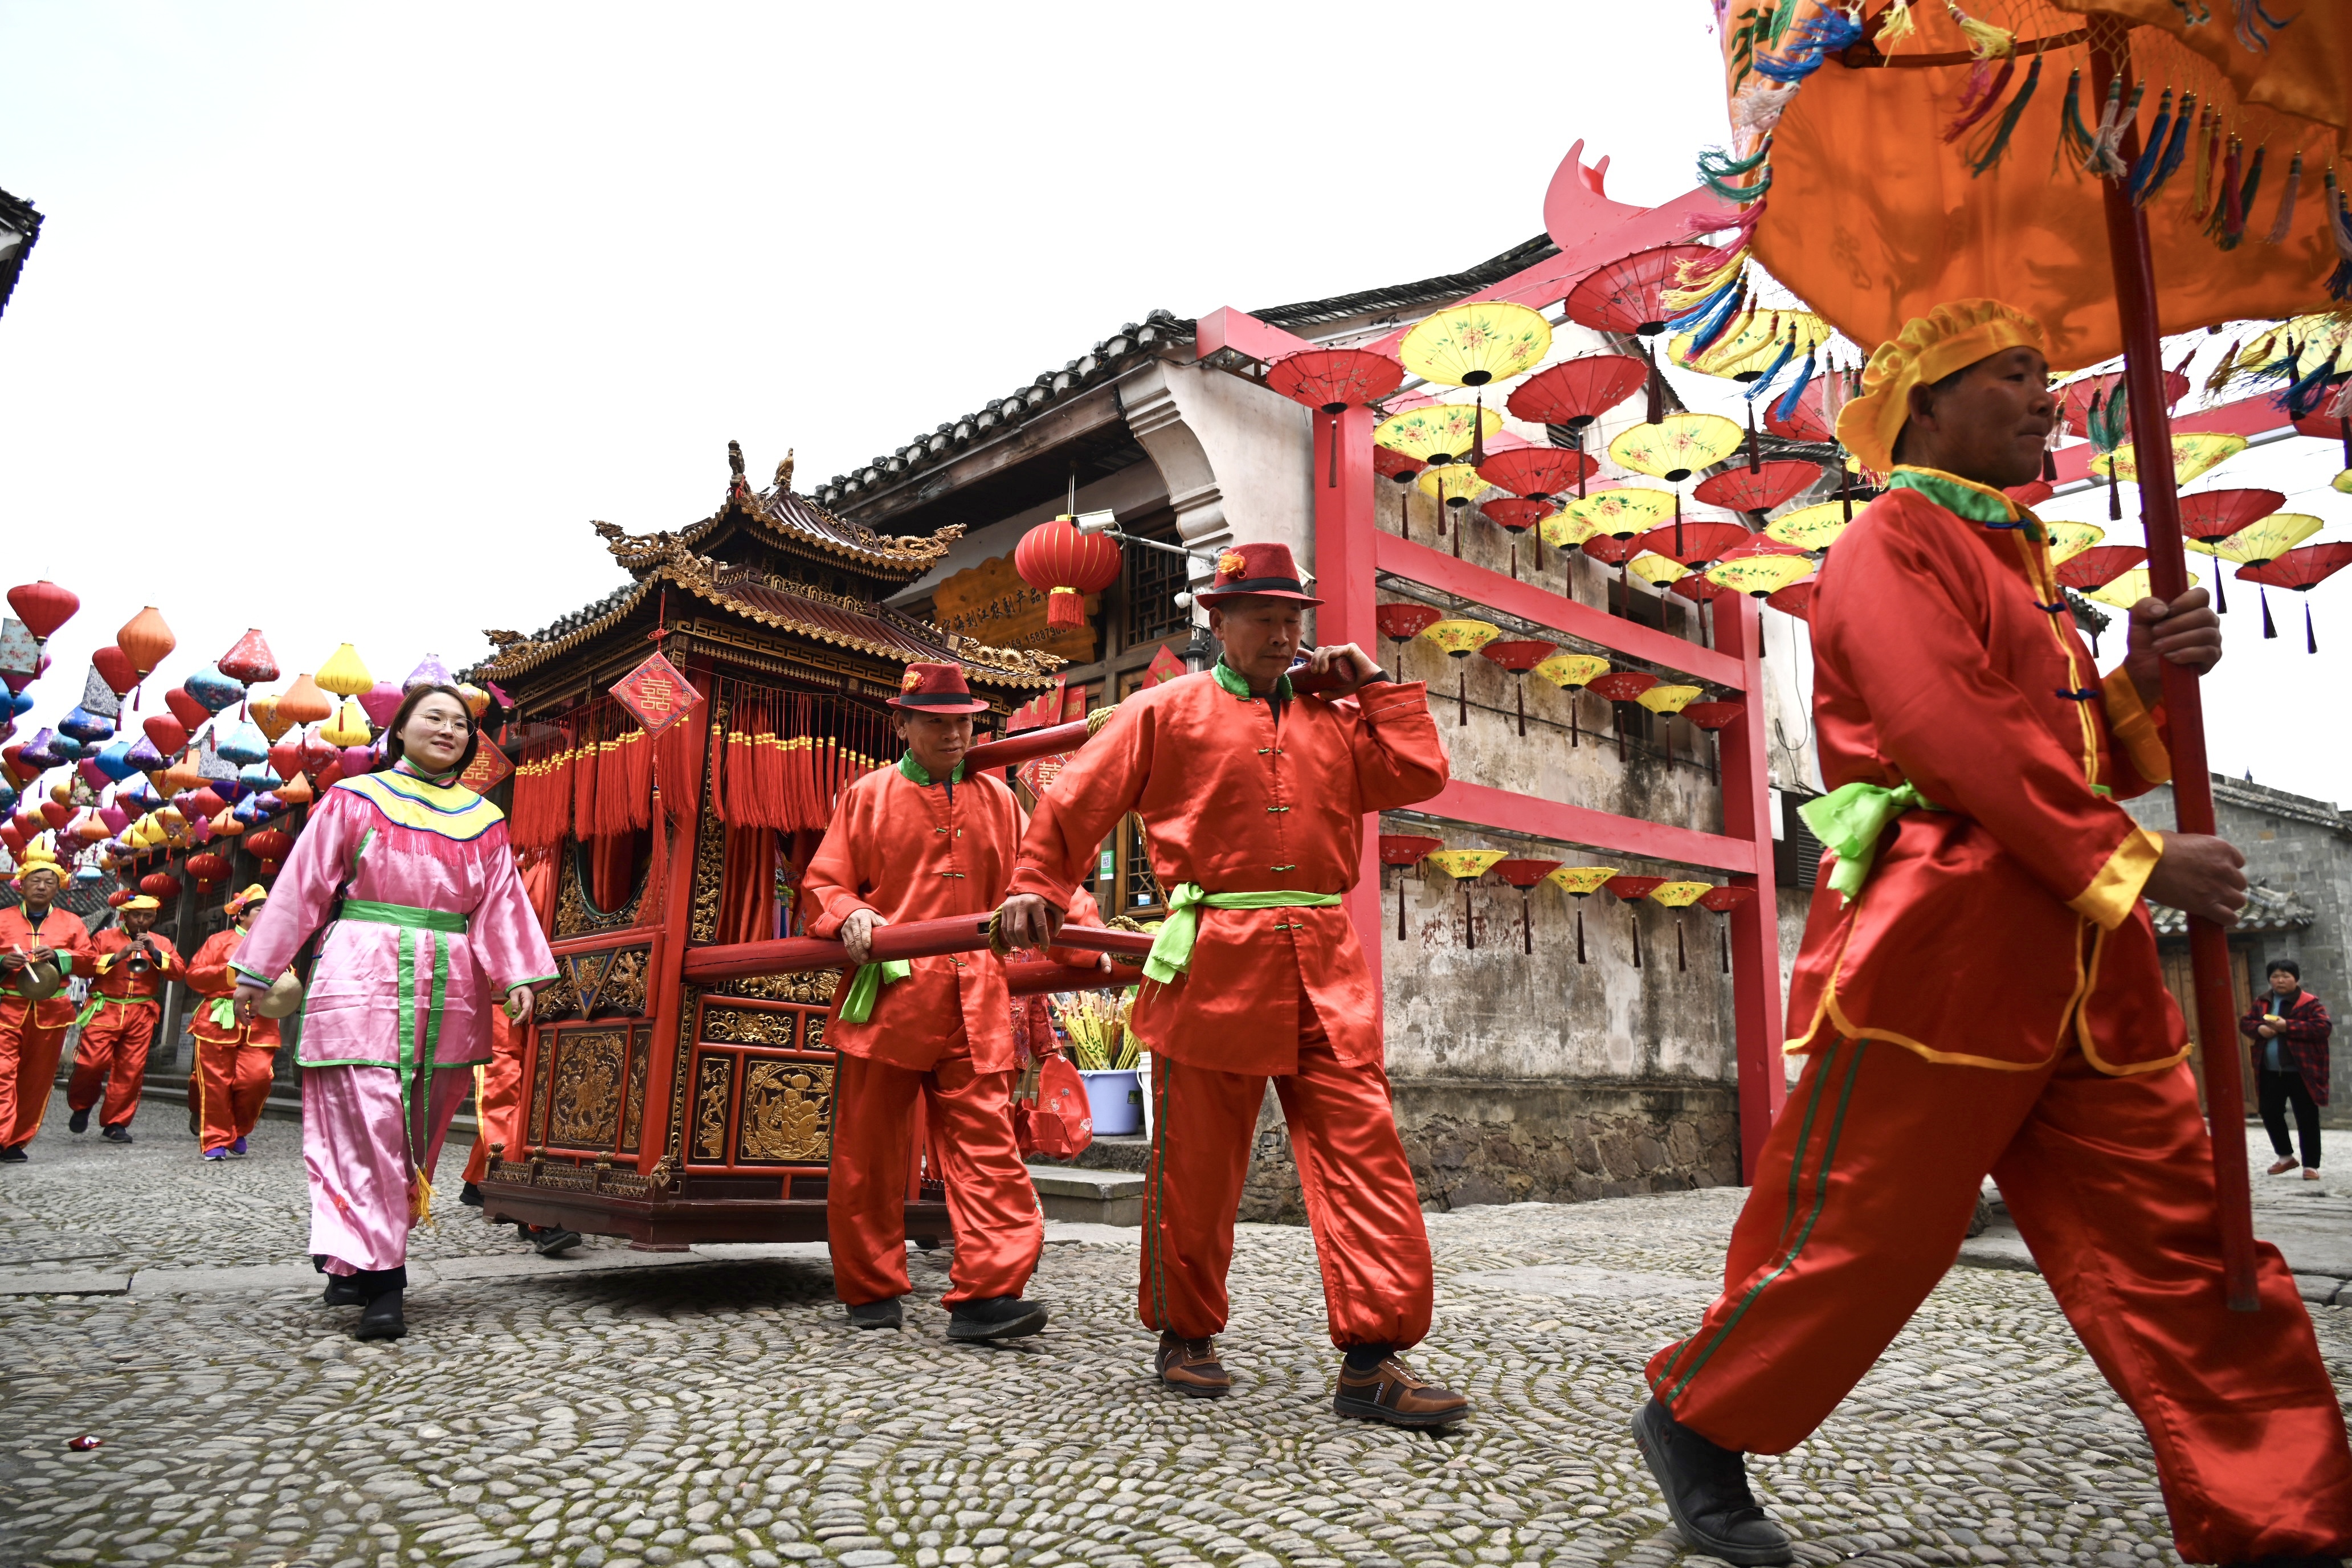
{"x": 2267, "y": 910}
{"x": 18, "y": 216}
{"x": 2253, "y": 797}
{"x": 1136, "y": 340}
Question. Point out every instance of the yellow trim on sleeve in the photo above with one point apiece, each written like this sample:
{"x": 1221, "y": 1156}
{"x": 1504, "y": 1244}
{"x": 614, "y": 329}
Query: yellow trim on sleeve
{"x": 2135, "y": 728}
{"x": 2113, "y": 893}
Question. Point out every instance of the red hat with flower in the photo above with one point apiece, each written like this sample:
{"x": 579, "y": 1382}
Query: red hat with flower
{"x": 1266, "y": 571}
{"x": 935, "y": 688}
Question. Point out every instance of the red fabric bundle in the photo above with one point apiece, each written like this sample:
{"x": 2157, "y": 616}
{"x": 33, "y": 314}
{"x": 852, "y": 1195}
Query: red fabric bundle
{"x": 611, "y": 792}
{"x": 677, "y": 766}
{"x": 774, "y": 808}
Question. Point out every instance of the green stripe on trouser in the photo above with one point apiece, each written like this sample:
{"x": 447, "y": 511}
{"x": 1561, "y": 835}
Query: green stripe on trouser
{"x": 1791, "y": 1249}
{"x": 1155, "y": 1263}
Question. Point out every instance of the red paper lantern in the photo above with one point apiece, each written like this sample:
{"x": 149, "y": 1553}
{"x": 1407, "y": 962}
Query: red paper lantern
{"x": 1065, "y": 565}
{"x": 43, "y": 606}
{"x": 205, "y": 803}
{"x": 161, "y": 886}
{"x": 286, "y": 757}
{"x": 146, "y": 641}
{"x": 120, "y": 896}
{"x": 54, "y": 814}
{"x": 113, "y": 666}
{"x": 272, "y": 846}
{"x": 191, "y": 713}
{"x": 318, "y": 755}
{"x": 249, "y": 662}
{"x": 208, "y": 870}
{"x": 165, "y": 733}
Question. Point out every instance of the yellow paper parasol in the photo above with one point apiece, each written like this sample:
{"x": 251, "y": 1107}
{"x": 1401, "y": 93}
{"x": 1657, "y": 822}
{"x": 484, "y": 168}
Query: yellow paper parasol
{"x": 2192, "y": 456}
{"x": 1813, "y": 527}
{"x": 1670, "y": 699}
{"x": 1656, "y": 570}
{"x": 2127, "y": 590}
{"x": 1455, "y": 484}
{"x": 1461, "y": 638}
{"x": 1759, "y": 576}
{"x": 1678, "y": 897}
{"x": 1579, "y": 883}
{"x": 1476, "y": 344}
{"x": 2068, "y": 540}
{"x": 1569, "y": 671}
{"x": 2260, "y": 541}
{"x": 1619, "y": 513}
{"x": 1466, "y": 866}
{"x": 1676, "y": 447}
{"x": 1750, "y": 350}
{"x": 1439, "y": 433}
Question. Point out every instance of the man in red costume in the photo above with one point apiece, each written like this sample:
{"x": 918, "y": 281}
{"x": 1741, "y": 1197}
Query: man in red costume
{"x": 1977, "y": 992}
{"x": 914, "y": 842}
{"x": 32, "y": 935}
{"x": 1253, "y": 800}
{"x": 117, "y": 1025}
{"x": 234, "y": 1061}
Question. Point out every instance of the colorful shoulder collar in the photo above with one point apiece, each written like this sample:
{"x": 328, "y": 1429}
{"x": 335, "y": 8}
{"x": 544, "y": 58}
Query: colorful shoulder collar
{"x": 450, "y": 810}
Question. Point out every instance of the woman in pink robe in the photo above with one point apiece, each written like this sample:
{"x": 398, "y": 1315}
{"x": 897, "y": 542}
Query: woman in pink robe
{"x": 426, "y": 927}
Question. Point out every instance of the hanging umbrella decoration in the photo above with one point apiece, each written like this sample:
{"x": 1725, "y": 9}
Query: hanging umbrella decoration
{"x": 2258, "y": 544}
{"x": 1572, "y": 673}
{"x": 1400, "y": 470}
{"x": 1402, "y": 620}
{"x": 1452, "y": 487}
{"x": 1760, "y": 568}
{"x": 2068, "y": 540}
{"x": 1629, "y": 296}
{"x": 1437, "y": 434}
{"x": 1565, "y": 398}
{"x": 1766, "y": 343}
{"x": 2194, "y": 455}
{"x": 1675, "y": 447}
{"x": 1331, "y": 382}
{"x": 1714, "y": 717}
{"x": 1402, "y": 850}
{"x": 1667, "y": 701}
{"x": 1476, "y": 345}
{"x": 2302, "y": 570}
{"x": 1065, "y": 565}
{"x": 1461, "y": 638}
{"x": 1629, "y": 889}
{"x": 1678, "y": 897}
{"x": 1813, "y": 528}
{"x": 2095, "y": 568}
{"x": 1722, "y": 900}
{"x": 1621, "y": 686}
{"x": 1701, "y": 593}
{"x": 2210, "y": 516}
{"x": 1759, "y": 487}
{"x": 1524, "y": 875}
{"x": 1520, "y": 655}
{"x": 1465, "y": 867}
{"x": 1515, "y": 515}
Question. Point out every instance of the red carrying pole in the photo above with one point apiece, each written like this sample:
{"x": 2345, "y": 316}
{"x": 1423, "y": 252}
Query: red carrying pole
{"x": 2192, "y": 785}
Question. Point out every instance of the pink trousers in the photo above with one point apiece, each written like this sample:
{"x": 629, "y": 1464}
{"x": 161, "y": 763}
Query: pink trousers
{"x": 358, "y": 1160}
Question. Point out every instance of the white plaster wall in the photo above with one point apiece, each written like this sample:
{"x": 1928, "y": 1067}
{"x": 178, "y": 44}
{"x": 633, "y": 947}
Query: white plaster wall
{"x": 1134, "y": 489}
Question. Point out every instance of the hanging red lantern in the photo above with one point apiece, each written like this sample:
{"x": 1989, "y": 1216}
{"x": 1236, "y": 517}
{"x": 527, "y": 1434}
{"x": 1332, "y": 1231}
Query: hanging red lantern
{"x": 249, "y": 662}
{"x": 205, "y": 803}
{"x": 191, "y": 714}
{"x": 43, "y": 606}
{"x": 208, "y": 870}
{"x": 54, "y": 814}
{"x": 161, "y": 886}
{"x": 286, "y": 757}
{"x": 1065, "y": 566}
{"x": 166, "y": 732}
{"x": 120, "y": 896}
{"x": 113, "y": 666}
{"x": 272, "y": 846}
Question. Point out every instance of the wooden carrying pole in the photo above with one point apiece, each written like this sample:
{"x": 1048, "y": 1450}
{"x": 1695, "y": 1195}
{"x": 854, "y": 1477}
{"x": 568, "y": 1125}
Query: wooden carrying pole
{"x": 2192, "y": 785}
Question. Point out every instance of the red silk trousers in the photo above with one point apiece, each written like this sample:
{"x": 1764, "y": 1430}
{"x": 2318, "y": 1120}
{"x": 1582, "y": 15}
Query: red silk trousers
{"x": 498, "y": 1098}
{"x": 231, "y": 1084}
{"x": 1362, "y": 1203}
{"x": 1863, "y": 1197}
{"x": 999, "y": 1230}
{"x": 111, "y": 1058}
{"x": 28, "y": 1066}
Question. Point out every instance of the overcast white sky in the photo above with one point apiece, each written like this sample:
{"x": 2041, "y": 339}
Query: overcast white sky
{"x": 347, "y": 320}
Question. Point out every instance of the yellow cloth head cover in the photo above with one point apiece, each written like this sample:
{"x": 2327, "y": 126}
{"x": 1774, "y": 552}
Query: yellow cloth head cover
{"x": 38, "y": 856}
{"x": 143, "y": 902}
{"x": 1950, "y": 337}
{"x": 255, "y": 894}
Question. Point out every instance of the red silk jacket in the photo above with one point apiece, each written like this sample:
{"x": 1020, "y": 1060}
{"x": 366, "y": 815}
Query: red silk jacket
{"x": 1237, "y": 802}
{"x": 115, "y": 978}
{"x": 60, "y": 929}
{"x": 2006, "y": 926}
{"x": 209, "y": 977}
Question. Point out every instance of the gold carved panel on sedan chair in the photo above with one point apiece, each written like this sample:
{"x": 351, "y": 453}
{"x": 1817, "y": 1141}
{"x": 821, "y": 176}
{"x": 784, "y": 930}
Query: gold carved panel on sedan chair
{"x": 575, "y": 915}
{"x": 764, "y": 1083}
{"x": 589, "y": 1091}
{"x": 599, "y": 982}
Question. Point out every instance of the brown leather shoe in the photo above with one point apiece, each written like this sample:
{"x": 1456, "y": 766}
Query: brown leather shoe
{"x": 1191, "y": 1366}
{"x": 1391, "y": 1392}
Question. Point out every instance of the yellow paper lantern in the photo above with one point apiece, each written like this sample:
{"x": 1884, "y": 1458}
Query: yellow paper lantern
{"x": 1571, "y": 669}
{"x": 2068, "y": 540}
{"x": 1815, "y": 526}
{"x": 2192, "y": 455}
{"x": 1455, "y": 484}
{"x": 1475, "y": 345}
{"x": 1676, "y": 447}
{"x": 1463, "y": 863}
{"x": 2129, "y": 589}
{"x": 478, "y": 701}
{"x": 1619, "y": 513}
{"x": 343, "y": 674}
{"x": 1437, "y": 434}
{"x": 2342, "y": 483}
{"x": 1759, "y": 576}
{"x": 226, "y": 825}
{"x": 1579, "y": 881}
{"x": 1656, "y": 570}
{"x": 264, "y": 713}
{"x": 1669, "y": 698}
{"x": 1679, "y": 895}
{"x": 2260, "y": 541}
{"x": 349, "y": 727}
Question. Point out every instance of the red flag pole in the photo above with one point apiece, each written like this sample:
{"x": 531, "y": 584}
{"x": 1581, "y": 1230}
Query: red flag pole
{"x": 2192, "y": 785}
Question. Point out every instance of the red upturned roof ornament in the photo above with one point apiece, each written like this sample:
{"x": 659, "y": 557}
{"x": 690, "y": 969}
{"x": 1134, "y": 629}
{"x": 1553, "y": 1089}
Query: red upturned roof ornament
{"x": 1065, "y": 565}
{"x": 2301, "y": 569}
{"x": 1524, "y": 875}
{"x": 43, "y": 606}
{"x": 1756, "y": 489}
{"x": 1519, "y": 656}
{"x": 1405, "y": 849}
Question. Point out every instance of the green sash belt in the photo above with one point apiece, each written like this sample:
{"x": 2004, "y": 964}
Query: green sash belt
{"x": 1849, "y": 820}
{"x": 90, "y": 1008}
{"x": 866, "y": 988}
{"x": 411, "y": 920}
{"x": 1171, "y": 950}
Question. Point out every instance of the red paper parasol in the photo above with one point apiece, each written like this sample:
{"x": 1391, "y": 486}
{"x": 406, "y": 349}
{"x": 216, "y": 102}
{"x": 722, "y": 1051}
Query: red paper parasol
{"x": 1515, "y": 515}
{"x": 1520, "y": 656}
{"x": 1722, "y": 900}
{"x": 1524, "y": 875}
{"x": 1538, "y": 473}
{"x": 2032, "y": 493}
{"x": 2301, "y": 569}
{"x": 1405, "y": 849}
{"x": 2209, "y": 515}
{"x": 1630, "y": 889}
{"x": 2074, "y": 397}
{"x": 2099, "y": 565}
{"x": 1620, "y": 686}
{"x": 1402, "y": 467}
{"x": 1759, "y": 489}
{"x": 2327, "y": 427}
{"x": 1402, "y": 620}
{"x": 1627, "y": 295}
{"x": 1574, "y": 393}
{"x": 1693, "y": 544}
{"x": 1796, "y": 599}
{"x": 1807, "y": 421}
{"x": 1332, "y": 381}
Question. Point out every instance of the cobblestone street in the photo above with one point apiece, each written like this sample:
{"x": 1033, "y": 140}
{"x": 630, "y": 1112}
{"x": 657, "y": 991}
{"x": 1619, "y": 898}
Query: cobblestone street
{"x": 615, "y": 1409}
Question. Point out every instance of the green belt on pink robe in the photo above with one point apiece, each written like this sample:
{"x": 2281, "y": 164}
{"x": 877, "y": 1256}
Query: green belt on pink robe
{"x": 411, "y": 920}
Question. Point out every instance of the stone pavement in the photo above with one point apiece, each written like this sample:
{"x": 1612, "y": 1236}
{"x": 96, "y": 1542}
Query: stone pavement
{"x": 713, "y": 1411}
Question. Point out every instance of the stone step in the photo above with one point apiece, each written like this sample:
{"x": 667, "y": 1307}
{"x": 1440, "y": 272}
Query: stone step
{"x": 1099, "y": 1197}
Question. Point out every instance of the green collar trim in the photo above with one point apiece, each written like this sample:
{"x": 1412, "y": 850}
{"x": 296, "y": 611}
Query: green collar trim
{"x": 915, "y": 773}
{"x": 444, "y": 780}
{"x": 1231, "y": 679}
{"x": 1964, "y": 498}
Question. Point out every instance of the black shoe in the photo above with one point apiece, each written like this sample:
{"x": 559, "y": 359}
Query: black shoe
{"x": 551, "y": 1241}
{"x": 997, "y": 1318}
{"x": 79, "y": 1122}
{"x": 1707, "y": 1491}
{"x": 344, "y": 1290}
{"x": 887, "y": 1314}
{"x": 470, "y": 1196}
{"x": 381, "y": 1321}
{"x": 115, "y": 1134}
{"x": 13, "y": 1155}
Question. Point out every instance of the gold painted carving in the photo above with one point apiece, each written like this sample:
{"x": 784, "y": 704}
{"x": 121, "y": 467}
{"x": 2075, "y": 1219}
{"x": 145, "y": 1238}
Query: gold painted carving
{"x": 633, "y": 1114}
{"x": 711, "y": 1108}
{"x": 625, "y": 983}
{"x": 573, "y": 915}
{"x": 814, "y": 986}
{"x": 710, "y": 839}
{"x": 747, "y": 1026}
{"x": 587, "y": 1098}
{"x": 688, "y": 1005}
{"x": 812, "y": 1033}
{"x": 547, "y": 1039}
{"x": 559, "y": 999}
{"x": 787, "y": 1113}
